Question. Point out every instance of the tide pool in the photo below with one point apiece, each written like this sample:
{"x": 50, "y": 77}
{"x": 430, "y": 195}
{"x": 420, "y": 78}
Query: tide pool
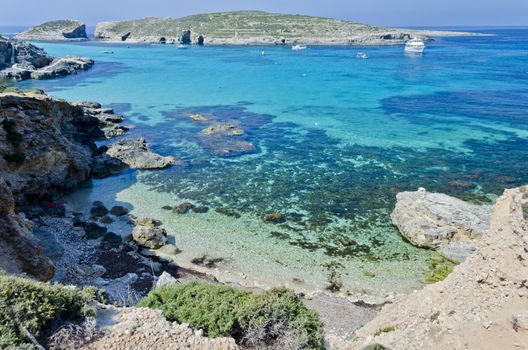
{"x": 336, "y": 138}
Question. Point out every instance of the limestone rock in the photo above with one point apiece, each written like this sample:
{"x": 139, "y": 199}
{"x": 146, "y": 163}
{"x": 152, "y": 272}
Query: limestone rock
{"x": 56, "y": 30}
{"x": 20, "y": 251}
{"x": 136, "y": 154}
{"x": 441, "y": 222}
{"x": 61, "y": 67}
{"x": 165, "y": 279}
{"x": 147, "y": 233}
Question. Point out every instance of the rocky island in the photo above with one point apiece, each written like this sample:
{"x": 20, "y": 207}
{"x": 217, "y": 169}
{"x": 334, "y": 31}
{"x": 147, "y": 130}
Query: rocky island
{"x": 20, "y": 60}
{"x": 60, "y": 30}
{"x": 255, "y": 28}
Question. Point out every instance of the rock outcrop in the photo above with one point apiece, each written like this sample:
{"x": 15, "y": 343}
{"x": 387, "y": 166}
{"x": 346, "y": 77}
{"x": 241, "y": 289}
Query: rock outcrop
{"x": 136, "y": 153}
{"x": 20, "y": 252}
{"x": 56, "y": 30}
{"x": 441, "y": 222}
{"x": 147, "y": 329}
{"x": 149, "y": 234}
{"x": 482, "y": 304}
{"x": 20, "y": 61}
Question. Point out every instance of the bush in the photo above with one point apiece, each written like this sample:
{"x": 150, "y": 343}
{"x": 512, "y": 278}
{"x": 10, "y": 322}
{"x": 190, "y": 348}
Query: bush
{"x": 38, "y": 307}
{"x": 440, "y": 268}
{"x": 276, "y": 318}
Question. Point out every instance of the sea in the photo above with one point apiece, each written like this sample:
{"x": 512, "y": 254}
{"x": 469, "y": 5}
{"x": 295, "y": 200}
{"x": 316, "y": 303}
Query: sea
{"x": 336, "y": 138}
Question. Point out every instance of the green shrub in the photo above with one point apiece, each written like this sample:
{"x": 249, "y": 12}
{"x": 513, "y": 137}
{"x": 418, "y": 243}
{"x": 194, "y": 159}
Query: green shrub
{"x": 260, "y": 320}
{"x": 38, "y": 307}
{"x": 384, "y": 330}
{"x": 18, "y": 158}
{"x": 440, "y": 268}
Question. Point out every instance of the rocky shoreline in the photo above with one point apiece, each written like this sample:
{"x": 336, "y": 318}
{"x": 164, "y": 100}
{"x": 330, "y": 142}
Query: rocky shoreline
{"x": 20, "y": 61}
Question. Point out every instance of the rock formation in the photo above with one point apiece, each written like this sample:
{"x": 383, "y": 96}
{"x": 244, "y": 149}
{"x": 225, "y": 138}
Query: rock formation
{"x": 19, "y": 250}
{"x": 136, "y": 153}
{"x": 20, "y": 60}
{"x": 129, "y": 328}
{"x": 186, "y": 38}
{"x": 483, "y": 304}
{"x": 441, "y": 222}
{"x": 149, "y": 234}
{"x": 55, "y": 30}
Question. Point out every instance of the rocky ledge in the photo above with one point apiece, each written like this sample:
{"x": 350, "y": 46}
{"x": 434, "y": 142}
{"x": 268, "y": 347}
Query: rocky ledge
{"x": 20, "y": 61}
{"x": 435, "y": 220}
{"x": 483, "y": 304}
{"x": 55, "y": 31}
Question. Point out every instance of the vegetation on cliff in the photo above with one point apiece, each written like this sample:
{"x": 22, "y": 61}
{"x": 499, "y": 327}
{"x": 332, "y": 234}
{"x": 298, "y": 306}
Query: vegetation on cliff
{"x": 27, "y": 306}
{"x": 270, "y": 319}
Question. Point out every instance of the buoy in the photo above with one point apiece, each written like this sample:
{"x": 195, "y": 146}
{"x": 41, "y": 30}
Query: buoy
{"x": 263, "y": 53}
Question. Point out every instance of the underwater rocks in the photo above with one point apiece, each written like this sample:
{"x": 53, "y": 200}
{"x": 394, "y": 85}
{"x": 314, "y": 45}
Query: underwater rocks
{"x": 55, "y": 31}
{"x": 147, "y": 233}
{"x": 185, "y": 207}
{"x": 20, "y": 251}
{"x": 136, "y": 153}
{"x": 225, "y": 140}
{"x": 441, "y": 222}
{"x": 275, "y": 218}
{"x": 21, "y": 61}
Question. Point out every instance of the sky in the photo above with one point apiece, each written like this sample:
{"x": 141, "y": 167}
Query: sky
{"x": 377, "y": 12}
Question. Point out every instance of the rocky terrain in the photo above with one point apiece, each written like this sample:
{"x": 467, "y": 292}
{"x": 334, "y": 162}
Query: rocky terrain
{"x": 483, "y": 304}
{"x": 20, "y": 61}
{"x": 47, "y": 149}
{"x": 255, "y": 28}
{"x": 435, "y": 220}
{"x": 56, "y": 31}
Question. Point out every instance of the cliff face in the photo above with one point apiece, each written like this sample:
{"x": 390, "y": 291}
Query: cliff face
{"x": 483, "y": 304}
{"x": 19, "y": 250}
{"x": 44, "y": 146}
{"x": 56, "y": 30}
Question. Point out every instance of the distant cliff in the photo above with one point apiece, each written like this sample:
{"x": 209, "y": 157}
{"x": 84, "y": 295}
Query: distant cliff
{"x": 56, "y": 30}
{"x": 255, "y": 28}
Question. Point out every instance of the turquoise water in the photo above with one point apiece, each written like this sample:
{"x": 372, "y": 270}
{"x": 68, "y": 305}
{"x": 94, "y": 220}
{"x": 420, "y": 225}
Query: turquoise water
{"x": 336, "y": 138}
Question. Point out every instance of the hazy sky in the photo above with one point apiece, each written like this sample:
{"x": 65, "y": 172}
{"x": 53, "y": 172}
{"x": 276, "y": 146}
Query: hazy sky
{"x": 380, "y": 12}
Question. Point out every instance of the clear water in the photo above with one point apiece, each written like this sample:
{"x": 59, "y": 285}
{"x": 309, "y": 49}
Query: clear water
{"x": 337, "y": 137}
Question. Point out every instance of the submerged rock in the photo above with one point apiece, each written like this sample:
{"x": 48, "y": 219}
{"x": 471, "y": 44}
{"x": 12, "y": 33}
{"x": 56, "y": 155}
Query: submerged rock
{"x": 98, "y": 210}
{"x": 136, "y": 154}
{"x": 183, "y": 208}
{"x": 441, "y": 222}
{"x": 147, "y": 233}
{"x": 275, "y": 218}
{"x": 119, "y": 210}
{"x": 225, "y": 140}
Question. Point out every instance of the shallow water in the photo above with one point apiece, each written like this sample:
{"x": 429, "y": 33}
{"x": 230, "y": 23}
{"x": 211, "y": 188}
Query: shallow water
{"x": 337, "y": 137}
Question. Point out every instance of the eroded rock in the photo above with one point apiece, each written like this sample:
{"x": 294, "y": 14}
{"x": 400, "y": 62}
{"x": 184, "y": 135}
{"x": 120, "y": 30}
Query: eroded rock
{"x": 441, "y": 222}
{"x": 136, "y": 154}
{"x": 147, "y": 233}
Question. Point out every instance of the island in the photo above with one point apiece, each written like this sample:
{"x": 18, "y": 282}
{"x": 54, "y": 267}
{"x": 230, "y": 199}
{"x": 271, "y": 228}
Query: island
{"x": 256, "y": 28}
{"x": 60, "y": 30}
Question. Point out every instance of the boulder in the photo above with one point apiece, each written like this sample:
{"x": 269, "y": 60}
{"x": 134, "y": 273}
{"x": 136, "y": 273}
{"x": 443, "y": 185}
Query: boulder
{"x": 119, "y": 210}
{"x": 441, "y": 222}
{"x": 136, "y": 154}
{"x": 147, "y": 233}
{"x": 61, "y": 67}
{"x": 98, "y": 210}
{"x": 165, "y": 279}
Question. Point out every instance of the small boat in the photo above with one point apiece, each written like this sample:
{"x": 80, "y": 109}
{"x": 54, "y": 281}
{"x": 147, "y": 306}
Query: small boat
{"x": 108, "y": 52}
{"x": 182, "y": 46}
{"x": 362, "y": 55}
{"x": 298, "y": 47}
{"x": 415, "y": 45}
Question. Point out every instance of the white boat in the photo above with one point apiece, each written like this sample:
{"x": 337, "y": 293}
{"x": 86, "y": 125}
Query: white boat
{"x": 362, "y": 55}
{"x": 415, "y": 45}
{"x": 298, "y": 47}
{"x": 182, "y": 46}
